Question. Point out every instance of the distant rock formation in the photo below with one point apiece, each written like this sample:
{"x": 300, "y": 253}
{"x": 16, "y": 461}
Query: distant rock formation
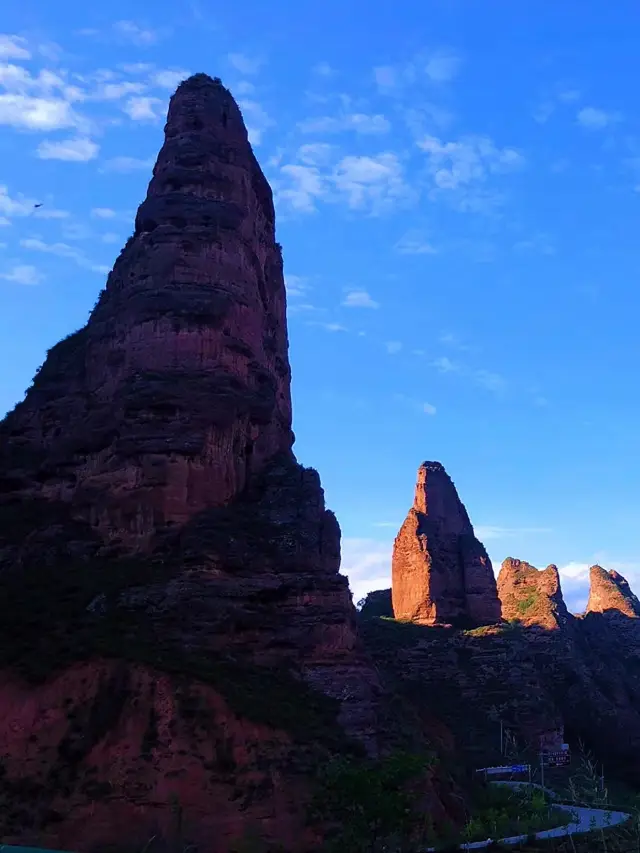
{"x": 173, "y": 624}
{"x": 531, "y": 596}
{"x": 440, "y": 572}
{"x": 377, "y": 604}
{"x": 609, "y": 592}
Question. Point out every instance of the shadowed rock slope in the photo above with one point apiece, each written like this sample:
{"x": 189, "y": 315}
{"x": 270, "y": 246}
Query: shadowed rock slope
{"x": 174, "y": 630}
{"x": 546, "y": 674}
{"x": 441, "y": 573}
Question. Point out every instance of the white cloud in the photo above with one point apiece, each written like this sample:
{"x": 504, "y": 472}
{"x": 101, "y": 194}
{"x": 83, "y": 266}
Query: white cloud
{"x": 371, "y": 182}
{"x": 13, "y": 47}
{"x": 472, "y": 159}
{"x": 428, "y": 409}
{"x": 135, "y": 34}
{"x": 329, "y": 327}
{"x": 393, "y": 347}
{"x": 169, "y": 78}
{"x": 491, "y": 381}
{"x": 103, "y": 213}
{"x": 63, "y": 250}
{"x": 115, "y": 91}
{"x": 245, "y": 64}
{"x": 492, "y": 531}
{"x": 445, "y": 365}
{"x": 36, "y": 113}
{"x": 323, "y": 69}
{"x": 305, "y": 185}
{"x": 111, "y": 237}
{"x": 296, "y": 285}
{"x": 359, "y": 299}
{"x": 18, "y": 205}
{"x": 127, "y": 164}
{"x": 79, "y": 150}
{"x": 22, "y": 274}
{"x": 315, "y": 153}
{"x": 143, "y": 108}
{"x": 386, "y": 77}
{"x": 358, "y": 122}
{"x": 367, "y": 564}
{"x": 415, "y": 243}
{"x": 256, "y": 119}
{"x": 442, "y": 66}
{"x": 595, "y": 119}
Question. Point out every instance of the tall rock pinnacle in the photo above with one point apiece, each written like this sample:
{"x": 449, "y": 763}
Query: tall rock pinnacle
{"x": 610, "y": 593}
{"x": 178, "y": 387}
{"x": 440, "y": 572}
{"x": 170, "y": 596}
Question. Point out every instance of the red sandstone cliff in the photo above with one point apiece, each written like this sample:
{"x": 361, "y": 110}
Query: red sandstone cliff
{"x": 609, "y": 592}
{"x": 158, "y": 539}
{"x": 440, "y": 572}
{"x": 530, "y": 596}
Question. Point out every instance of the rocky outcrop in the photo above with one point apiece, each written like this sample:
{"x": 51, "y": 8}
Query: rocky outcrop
{"x": 376, "y": 604}
{"x": 158, "y": 537}
{"x": 610, "y": 593}
{"x": 178, "y": 388}
{"x": 530, "y": 596}
{"x": 440, "y": 572}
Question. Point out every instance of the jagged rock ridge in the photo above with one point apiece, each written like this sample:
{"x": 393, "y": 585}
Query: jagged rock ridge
{"x": 531, "y": 596}
{"x": 609, "y": 592}
{"x": 440, "y": 572}
{"x": 156, "y": 529}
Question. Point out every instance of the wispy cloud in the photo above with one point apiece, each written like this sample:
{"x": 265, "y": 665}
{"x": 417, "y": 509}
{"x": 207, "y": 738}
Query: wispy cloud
{"x": 13, "y": 47}
{"x": 593, "y": 118}
{"x": 103, "y": 213}
{"x": 472, "y": 159}
{"x": 63, "y": 250}
{"x": 357, "y": 122}
{"x": 168, "y": 78}
{"x": 428, "y": 409}
{"x": 372, "y": 184}
{"x": 256, "y": 118}
{"x": 492, "y": 531}
{"x": 442, "y": 66}
{"x": 144, "y": 108}
{"x": 245, "y": 64}
{"x": 393, "y": 347}
{"x": 78, "y": 150}
{"x": 127, "y": 164}
{"x": 444, "y": 365}
{"x": 22, "y": 274}
{"x": 491, "y": 381}
{"x": 136, "y": 34}
{"x": 359, "y": 299}
{"x": 367, "y": 564}
{"x": 415, "y": 243}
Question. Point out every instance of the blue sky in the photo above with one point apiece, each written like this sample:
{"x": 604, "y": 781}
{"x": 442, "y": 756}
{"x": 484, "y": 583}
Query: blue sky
{"x": 457, "y": 188}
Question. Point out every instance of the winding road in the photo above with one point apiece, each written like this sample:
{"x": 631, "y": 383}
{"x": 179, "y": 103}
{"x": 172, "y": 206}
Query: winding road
{"x": 583, "y": 819}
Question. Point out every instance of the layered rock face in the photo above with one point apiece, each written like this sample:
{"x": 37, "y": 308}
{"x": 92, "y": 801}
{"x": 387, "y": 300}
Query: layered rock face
{"x": 178, "y": 387}
{"x": 530, "y": 596}
{"x": 609, "y": 592}
{"x": 440, "y": 572}
{"x": 158, "y": 538}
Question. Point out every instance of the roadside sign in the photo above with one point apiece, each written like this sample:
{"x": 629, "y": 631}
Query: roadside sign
{"x": 560, "y": 758}
{"x": 506, "y": 768}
